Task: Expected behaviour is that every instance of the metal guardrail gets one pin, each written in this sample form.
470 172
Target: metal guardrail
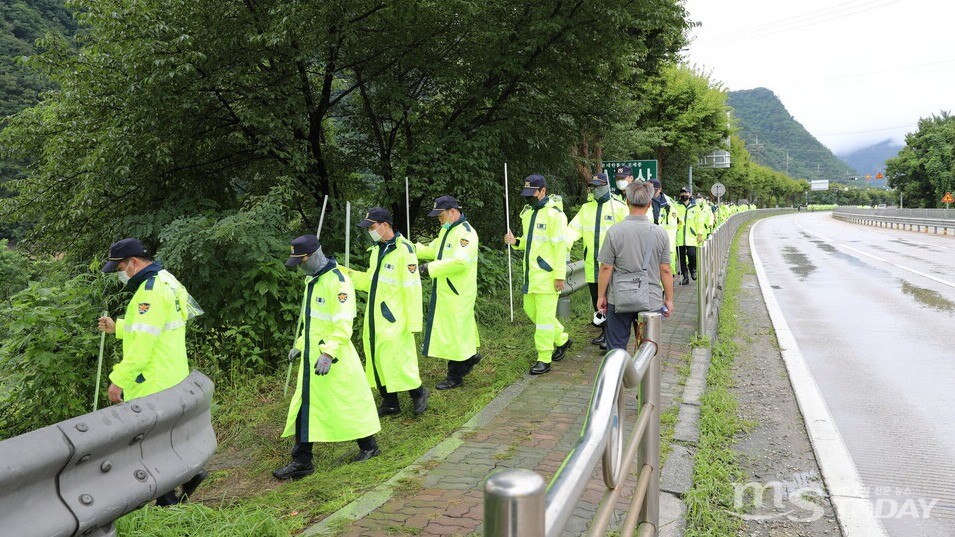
78 476
938 221
711 262
516 502
575 280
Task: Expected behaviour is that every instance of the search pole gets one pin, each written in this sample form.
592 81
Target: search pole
407 208
347 232
507 216
99 366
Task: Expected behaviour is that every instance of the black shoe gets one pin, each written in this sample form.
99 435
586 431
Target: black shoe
693 274
294 470
190 486
471 362
448 384
604 347
684 281
365 454
558 353
168 499
421 403
386 410
540 368
599 340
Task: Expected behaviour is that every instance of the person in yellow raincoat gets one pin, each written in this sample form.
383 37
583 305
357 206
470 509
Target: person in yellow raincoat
153 334
545 269
392 315
332 402
591 224
450 330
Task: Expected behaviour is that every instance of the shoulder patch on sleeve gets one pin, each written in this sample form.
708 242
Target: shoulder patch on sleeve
143 307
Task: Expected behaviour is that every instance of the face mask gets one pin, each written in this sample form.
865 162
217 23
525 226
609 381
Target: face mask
123 277
601 191
316 261
375 236
684 198
531 200
622 184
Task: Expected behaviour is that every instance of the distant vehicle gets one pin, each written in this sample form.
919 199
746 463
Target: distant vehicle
881 206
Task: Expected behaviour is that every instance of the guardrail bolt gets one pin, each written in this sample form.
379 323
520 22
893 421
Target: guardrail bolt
83 459
86 499
81 427
137 438
106 466
140 475
135 408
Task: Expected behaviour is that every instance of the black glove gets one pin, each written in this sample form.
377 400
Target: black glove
423 269
293 354
323 365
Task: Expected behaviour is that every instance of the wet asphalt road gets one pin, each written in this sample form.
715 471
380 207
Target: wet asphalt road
873 313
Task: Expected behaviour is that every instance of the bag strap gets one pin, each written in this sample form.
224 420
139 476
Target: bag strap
650 245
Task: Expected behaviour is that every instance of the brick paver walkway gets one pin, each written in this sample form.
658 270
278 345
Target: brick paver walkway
534 431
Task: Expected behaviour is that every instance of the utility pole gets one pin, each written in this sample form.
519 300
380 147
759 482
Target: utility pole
788 160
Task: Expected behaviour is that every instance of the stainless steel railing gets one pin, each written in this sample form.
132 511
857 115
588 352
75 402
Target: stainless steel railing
516 503
711 262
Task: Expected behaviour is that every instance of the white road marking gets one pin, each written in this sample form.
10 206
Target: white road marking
877 258
854 511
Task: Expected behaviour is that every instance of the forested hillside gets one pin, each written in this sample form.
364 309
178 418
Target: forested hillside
772 134
871 160
21 24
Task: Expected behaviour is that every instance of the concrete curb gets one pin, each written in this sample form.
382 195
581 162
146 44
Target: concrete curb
377 497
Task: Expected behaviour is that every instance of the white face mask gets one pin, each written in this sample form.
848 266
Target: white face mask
123 277
622 184
601 191
375 236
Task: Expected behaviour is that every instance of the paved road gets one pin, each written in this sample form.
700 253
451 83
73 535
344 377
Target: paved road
873 313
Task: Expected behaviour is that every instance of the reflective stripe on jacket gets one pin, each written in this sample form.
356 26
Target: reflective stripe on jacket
544 246
591 224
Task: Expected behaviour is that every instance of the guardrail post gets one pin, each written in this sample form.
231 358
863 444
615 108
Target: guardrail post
563 307
649 452
514 504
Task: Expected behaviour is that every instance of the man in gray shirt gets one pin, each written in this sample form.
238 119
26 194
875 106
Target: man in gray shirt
623 251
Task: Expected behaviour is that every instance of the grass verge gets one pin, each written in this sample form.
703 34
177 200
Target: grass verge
710 502
249 417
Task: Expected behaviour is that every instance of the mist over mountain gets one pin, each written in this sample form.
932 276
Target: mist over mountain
871 160
774 138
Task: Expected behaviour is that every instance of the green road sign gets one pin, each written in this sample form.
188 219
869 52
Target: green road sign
643 170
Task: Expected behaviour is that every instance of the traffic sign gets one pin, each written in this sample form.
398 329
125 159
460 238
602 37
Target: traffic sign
879 176
947 198
643 170
718 189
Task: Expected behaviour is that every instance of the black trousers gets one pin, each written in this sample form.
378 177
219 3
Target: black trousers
391 399
687 255
302 451
457 369
593 302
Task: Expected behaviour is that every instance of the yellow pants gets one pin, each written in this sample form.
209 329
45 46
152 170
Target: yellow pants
549 333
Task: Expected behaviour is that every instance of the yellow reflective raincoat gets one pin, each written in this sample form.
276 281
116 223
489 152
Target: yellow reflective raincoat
392 315
591 224
338 406
450 330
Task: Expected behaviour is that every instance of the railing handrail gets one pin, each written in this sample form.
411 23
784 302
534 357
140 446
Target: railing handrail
516 503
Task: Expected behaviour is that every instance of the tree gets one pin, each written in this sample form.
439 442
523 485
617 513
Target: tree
925 168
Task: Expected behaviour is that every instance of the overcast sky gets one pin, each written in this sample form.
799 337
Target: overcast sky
852 72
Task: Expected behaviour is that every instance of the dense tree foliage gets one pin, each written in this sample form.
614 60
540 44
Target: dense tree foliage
925 168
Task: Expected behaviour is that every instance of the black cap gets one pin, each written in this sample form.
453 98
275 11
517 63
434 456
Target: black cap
302 246
123 249
443 203
599 180
376 215
623 172
655 183
533 183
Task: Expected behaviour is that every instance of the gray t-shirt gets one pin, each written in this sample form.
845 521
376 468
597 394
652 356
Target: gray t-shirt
624 248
